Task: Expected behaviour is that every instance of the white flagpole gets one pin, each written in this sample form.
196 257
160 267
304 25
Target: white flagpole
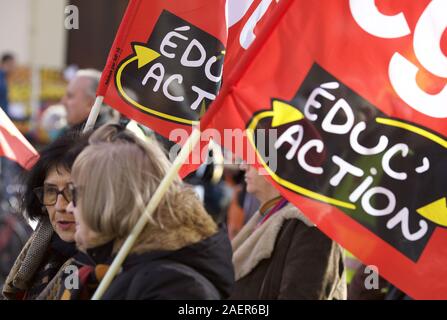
148 211
94 112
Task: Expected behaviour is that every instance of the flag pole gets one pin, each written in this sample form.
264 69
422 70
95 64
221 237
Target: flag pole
186 150
148 211
94 112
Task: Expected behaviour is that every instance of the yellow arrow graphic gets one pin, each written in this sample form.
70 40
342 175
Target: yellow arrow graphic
435 212
284 113
144 55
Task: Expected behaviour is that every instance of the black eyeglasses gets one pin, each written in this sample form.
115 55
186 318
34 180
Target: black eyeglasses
47 195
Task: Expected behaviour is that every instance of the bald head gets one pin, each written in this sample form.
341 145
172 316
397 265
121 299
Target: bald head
80 95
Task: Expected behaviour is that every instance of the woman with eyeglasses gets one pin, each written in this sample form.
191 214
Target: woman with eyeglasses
180 254
45 200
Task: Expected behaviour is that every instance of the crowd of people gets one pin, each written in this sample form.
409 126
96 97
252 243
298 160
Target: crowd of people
87 191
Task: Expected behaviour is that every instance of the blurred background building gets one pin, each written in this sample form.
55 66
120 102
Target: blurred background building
48 53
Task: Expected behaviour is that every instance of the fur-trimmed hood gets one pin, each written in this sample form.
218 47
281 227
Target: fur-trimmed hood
190 224
192 241
179 274
252 244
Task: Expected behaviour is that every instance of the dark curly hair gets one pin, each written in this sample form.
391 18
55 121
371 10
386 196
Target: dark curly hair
60 154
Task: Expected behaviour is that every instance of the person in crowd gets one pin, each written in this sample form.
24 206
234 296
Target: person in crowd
181 253
45 199
7 65
53 122
80 97
280 254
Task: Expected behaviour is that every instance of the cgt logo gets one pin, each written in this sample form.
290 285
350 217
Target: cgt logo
427 39
176 74
333 146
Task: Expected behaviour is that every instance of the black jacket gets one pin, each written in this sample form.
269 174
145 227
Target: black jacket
285 258
200 271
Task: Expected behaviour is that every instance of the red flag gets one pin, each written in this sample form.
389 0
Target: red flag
355 96
13 144
165 66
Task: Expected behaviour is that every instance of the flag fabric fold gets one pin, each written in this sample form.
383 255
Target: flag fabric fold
340 102
13 144
357 128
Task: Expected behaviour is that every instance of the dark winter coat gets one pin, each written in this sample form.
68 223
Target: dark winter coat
199 271
287 257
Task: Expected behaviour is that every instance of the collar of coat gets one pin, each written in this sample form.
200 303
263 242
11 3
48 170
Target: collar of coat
252 244
28 260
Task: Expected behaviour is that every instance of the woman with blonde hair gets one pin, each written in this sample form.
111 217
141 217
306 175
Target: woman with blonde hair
181 253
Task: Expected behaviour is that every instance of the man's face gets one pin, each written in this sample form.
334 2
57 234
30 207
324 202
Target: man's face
256 183
76 100
9 66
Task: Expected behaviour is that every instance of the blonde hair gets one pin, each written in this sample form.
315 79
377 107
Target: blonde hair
116 176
